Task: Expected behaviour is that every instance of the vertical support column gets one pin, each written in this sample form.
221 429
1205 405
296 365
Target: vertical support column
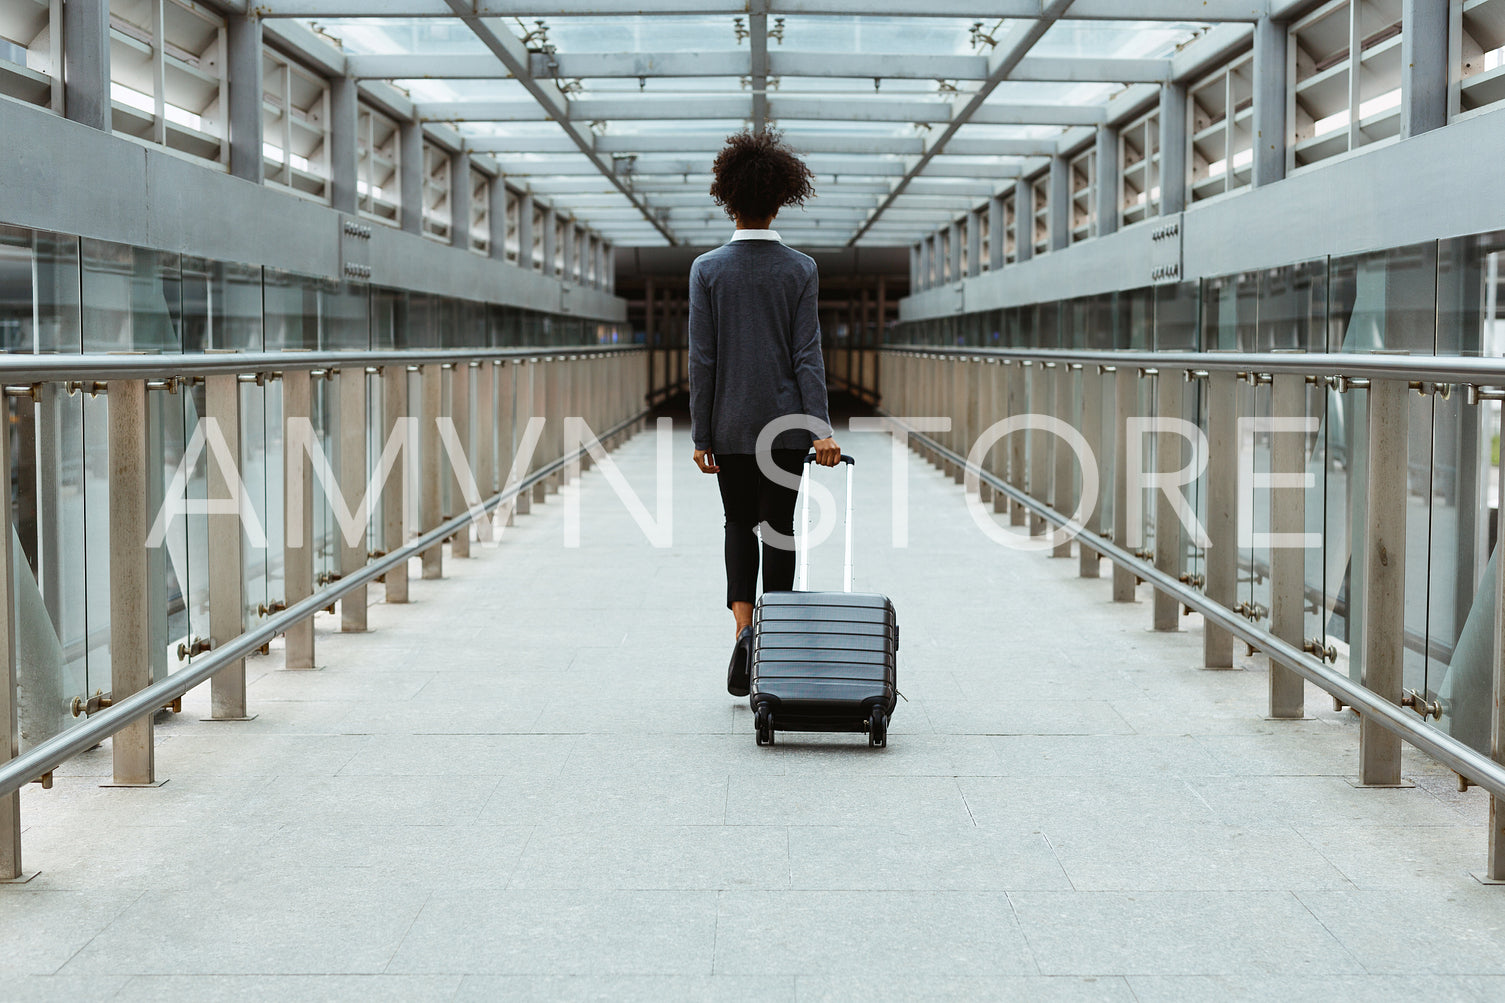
927 262
998 376
550 242
496 214
1384 637
10 725
954 252
998 237
1024 220
1089 562
567 250
1060 203
915 256
394 397
1221 562
1173 162
86 62
1064 497
350 384
956 439
526 370
1039 446
1495 866
542 368
410 175
1424 66
459 412
974 243
297 509
227 606
1018 442
1166 612
1126 386
525 232
344 111
608 252
1270 72
1106 184
1287 522
459 200
430 505
130 593
244 59
485 417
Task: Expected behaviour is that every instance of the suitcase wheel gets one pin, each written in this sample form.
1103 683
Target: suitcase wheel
763 721
877 729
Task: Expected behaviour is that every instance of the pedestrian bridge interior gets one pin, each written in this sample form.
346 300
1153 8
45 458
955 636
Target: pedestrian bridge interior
1167 338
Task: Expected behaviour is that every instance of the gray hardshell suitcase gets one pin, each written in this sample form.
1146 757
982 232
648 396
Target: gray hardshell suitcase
824 661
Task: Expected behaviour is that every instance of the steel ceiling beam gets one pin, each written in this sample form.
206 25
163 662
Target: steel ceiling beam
510 50
1015 47
757 39
1138 10
758 64
735 108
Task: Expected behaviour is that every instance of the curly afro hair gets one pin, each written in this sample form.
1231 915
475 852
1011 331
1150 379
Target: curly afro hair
756 175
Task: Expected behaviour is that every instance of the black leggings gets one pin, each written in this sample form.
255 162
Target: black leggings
749 498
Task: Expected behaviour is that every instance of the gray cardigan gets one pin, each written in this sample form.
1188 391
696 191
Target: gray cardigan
754 346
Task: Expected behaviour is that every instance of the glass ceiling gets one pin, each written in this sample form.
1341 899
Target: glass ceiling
864 98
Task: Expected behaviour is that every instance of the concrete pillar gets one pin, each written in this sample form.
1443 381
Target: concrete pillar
569 233
298 509
1270 73
998 238
1106 192
1287 508
459 414
608 254
1093 390
915 256
954 251
1060 203
1126 392
496 212
131 596
927 262
350 390
430 454
410 173
243 42
525 232
1024 220
974 243
1424 66
550 242
459 200
1169 551
1384 540
1173 164
86 62
394 395
1221 562
344 110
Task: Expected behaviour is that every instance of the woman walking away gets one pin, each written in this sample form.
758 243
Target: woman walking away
755 356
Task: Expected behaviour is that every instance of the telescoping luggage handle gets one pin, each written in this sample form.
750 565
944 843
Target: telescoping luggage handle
802 545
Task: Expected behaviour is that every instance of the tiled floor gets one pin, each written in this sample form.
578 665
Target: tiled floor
530 782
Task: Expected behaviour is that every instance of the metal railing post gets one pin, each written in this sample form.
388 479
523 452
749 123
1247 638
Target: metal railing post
983 392
485 417
431 497
1169 551
1019 441
1125 393
394 397
1040 446
1221 561
350 387
543 402
1495 865
459 413
1385 593
133 747
1089 562
526 371
298 509
1287 562
10 725
962 402
226 555
998 380
1063 497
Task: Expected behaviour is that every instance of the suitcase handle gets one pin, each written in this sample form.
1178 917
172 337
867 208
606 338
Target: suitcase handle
802 544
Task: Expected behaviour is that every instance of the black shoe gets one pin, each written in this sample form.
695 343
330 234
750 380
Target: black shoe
736 673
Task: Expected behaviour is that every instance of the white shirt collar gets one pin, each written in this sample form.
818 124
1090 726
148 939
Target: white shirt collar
757 235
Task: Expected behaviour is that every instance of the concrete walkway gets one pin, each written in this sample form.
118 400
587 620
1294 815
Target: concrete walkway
530 783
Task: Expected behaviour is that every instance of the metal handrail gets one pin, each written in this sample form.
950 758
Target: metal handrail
1434 368
1462 759
103 367
57 750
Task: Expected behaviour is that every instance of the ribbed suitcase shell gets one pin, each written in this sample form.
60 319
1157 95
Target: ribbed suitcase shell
822 660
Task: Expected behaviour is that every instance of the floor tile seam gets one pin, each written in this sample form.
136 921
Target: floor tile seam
1352 884
1349 952
95 936
1034 956
517 862
1056 856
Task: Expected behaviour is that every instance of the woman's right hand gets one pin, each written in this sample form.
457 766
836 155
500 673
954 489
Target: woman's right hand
706 461
827 452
